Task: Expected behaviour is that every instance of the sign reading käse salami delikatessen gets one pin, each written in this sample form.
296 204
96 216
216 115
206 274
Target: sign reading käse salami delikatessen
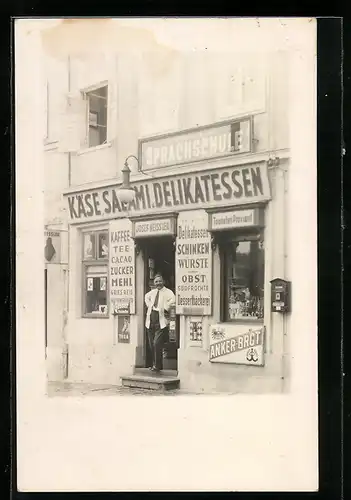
221 187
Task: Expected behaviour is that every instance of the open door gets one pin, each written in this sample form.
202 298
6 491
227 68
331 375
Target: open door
159 256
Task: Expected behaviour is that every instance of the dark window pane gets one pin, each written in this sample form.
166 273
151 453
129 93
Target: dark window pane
89 246
97 116
103 246
96 296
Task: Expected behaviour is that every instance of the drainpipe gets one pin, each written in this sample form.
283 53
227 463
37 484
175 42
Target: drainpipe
286 352
69 90
65 320
66 271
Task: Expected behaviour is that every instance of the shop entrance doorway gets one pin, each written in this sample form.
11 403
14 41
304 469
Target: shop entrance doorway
159 257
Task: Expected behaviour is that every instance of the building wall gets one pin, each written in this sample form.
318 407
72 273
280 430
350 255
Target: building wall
56 175
152 94
196 372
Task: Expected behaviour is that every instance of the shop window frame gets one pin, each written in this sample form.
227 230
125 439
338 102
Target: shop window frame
87 94
95 261
224 239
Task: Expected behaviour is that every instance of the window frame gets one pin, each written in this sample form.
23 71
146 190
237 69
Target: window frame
225 237
97 262
85 95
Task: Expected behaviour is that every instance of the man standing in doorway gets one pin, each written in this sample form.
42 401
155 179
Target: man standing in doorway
158 302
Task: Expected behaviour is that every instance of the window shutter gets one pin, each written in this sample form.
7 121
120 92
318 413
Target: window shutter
112 93
73 128
46 111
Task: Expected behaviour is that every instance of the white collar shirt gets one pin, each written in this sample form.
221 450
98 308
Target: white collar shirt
165 300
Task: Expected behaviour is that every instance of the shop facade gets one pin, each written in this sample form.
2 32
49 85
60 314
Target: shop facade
210 214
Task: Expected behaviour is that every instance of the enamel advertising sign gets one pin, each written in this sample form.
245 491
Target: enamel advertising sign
52 249
231 346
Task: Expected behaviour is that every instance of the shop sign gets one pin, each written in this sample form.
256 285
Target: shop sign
123 329
52 249
228 346
122 267
154 227
235 219
201 143
206 189
193 265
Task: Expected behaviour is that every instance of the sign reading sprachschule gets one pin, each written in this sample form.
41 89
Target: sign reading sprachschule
206 189
197 144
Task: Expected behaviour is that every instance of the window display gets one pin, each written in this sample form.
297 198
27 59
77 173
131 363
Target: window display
243 279
96 297
95 269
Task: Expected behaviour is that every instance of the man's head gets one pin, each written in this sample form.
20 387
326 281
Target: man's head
158 281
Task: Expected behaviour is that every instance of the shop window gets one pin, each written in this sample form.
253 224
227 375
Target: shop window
97 116
242 261
95 273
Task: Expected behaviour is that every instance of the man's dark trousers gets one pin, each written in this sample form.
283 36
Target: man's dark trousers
157 337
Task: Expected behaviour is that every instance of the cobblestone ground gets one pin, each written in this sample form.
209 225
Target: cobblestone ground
70 389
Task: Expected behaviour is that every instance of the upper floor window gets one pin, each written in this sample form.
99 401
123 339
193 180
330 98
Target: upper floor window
97 116
242 259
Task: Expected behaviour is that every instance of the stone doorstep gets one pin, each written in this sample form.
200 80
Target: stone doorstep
146 372
156 382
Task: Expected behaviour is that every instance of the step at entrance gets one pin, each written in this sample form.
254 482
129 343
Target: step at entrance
150 381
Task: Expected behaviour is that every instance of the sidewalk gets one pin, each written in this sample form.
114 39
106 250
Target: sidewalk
65 389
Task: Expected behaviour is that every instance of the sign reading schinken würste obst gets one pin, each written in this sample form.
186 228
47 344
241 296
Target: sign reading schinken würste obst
193 265
122 267
211 188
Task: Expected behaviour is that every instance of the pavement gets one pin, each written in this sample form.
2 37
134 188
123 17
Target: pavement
83 389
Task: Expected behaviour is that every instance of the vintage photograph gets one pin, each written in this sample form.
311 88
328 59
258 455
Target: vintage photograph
167 190
166 260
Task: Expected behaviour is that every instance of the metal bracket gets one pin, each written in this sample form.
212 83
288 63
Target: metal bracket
214 242
137 248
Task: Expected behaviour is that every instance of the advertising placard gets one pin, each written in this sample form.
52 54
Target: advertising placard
52 249
245 347
122 267
193 265
123 329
